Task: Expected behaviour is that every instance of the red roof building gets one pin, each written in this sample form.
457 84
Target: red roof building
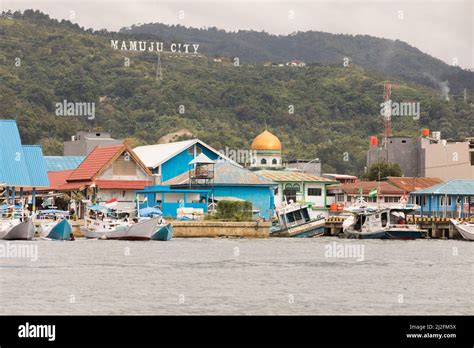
107 172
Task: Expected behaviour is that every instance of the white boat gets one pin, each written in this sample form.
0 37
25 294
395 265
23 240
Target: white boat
14 225
381 223
100 225
294 221
465 229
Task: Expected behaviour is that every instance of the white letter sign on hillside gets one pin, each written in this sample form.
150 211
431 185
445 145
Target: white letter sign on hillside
153 46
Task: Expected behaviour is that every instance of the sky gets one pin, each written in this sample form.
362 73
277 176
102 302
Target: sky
441 28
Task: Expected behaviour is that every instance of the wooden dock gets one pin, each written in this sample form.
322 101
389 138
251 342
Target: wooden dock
437 227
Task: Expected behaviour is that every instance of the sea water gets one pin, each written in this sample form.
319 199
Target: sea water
313 276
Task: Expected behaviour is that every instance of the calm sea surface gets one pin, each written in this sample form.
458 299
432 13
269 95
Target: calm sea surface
236 276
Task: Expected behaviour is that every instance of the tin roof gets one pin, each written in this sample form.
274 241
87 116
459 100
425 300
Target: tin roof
451 187
57 163
155 155
384 188
36 166
290 175
21 166
226 173
410 184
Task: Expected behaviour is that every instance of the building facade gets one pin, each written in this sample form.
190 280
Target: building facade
83 143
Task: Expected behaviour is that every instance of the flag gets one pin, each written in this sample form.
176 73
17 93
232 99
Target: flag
111 203
373 192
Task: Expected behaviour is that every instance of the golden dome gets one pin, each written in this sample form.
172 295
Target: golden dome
266 141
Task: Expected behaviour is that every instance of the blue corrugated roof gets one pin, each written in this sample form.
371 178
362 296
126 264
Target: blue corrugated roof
451 187
36 166
58 163
13 168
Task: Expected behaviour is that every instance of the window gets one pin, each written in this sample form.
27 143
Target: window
384 219
404 141
340 197
191 150
296 187
314 192
391 199
349 198
198 150
263 161
472 158
274 161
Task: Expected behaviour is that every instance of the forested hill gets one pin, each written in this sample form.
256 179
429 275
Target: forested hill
385 56
336 108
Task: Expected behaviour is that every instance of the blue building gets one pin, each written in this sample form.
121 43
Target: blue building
227 182
169 160
22 167
453 198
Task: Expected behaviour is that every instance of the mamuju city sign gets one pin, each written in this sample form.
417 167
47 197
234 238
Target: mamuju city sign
153 46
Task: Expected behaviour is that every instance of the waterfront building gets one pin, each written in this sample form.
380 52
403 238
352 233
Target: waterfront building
83 143
22 167
294 184
454 198
206 182
305 165
373 192
169 160
410 184
108 172
426 156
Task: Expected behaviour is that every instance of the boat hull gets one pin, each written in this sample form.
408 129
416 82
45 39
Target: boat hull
306 230
61 231
23 231
464 229
386 234
163 233
139 231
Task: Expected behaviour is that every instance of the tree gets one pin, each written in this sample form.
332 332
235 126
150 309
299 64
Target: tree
385 169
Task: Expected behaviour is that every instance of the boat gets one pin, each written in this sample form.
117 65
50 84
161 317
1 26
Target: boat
465 229
293 220
54 225
164 231
14 225
381 223
100 225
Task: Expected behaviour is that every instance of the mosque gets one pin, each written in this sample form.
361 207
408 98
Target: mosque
295 185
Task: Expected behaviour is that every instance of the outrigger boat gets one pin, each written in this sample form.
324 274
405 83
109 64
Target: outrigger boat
103 225
465 229
293 220
381 223
14 225
54 224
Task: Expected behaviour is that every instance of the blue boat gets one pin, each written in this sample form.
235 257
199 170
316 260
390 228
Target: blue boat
163 233
61 231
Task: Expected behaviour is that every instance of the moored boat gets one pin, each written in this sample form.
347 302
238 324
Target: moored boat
164 232
54 225
24 230
100 225
465 229
381 223
293 220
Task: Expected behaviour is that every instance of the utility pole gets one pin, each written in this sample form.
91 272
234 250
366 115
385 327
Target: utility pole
159 73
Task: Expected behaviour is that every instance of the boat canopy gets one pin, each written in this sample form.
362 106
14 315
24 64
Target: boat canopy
52 211
97 207
150 211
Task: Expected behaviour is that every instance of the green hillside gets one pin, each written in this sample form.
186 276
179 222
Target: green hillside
335 108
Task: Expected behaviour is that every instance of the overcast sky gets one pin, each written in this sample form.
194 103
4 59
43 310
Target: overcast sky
441 28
